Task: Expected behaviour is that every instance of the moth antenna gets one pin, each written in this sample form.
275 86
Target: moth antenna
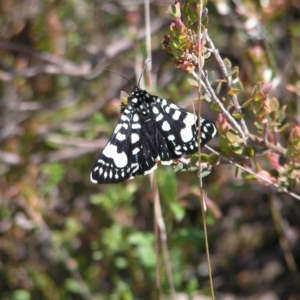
143 71
134 84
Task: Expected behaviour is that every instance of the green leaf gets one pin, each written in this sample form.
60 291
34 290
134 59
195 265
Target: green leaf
174 10
258 125
204 157
99 119
233 92
21 295
259 96
227 64
55 173
238 116
121 262
178 167
213 159
147 256
192 235
139 238
232 137
205 172
274 104
178 211
246 103
192 82
249 151
194 159
215 107
73 285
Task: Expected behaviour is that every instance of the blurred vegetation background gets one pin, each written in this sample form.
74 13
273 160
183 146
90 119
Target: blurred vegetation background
61 237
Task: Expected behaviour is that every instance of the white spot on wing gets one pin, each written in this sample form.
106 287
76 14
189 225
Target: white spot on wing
134 168
163 102
120 137
166 126
159 117
173 106
92 179
136 117
166 162
151 170
124 118
120 159
134 138
171 137
136 126
155 110
118 127
187 133
176 115
135 151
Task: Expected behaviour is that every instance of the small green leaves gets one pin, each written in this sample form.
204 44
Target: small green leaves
174 10
233 137
293 150
249 151
178 167
182 41
274 104
238 116
213 159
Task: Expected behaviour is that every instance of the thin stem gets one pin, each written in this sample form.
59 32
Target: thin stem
163 237
211 93
227 77
202 198
148 34
159 227
155 197
254 174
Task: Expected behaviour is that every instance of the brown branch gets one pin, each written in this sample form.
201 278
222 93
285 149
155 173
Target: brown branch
275 148
227 77
60 66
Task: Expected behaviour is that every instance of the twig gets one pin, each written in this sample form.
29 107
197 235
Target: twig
58 65
254 174
202 196
157 206
211 93
275 148
227 77
163 234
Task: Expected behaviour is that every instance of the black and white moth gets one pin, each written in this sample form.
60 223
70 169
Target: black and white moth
150 130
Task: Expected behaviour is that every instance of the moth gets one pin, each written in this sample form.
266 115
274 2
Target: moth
150 130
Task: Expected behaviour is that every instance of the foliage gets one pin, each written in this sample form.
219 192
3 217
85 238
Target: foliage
64 238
